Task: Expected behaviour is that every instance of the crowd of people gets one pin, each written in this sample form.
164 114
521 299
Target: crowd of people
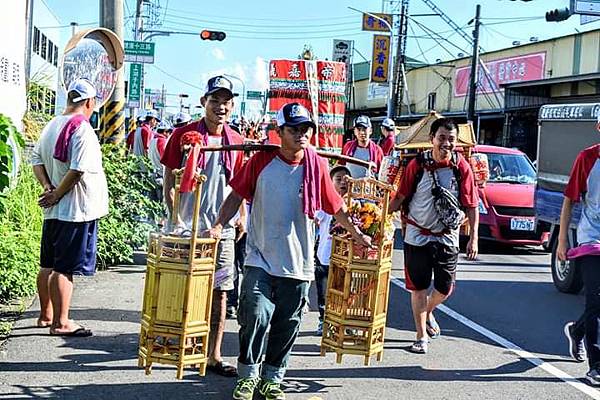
269 249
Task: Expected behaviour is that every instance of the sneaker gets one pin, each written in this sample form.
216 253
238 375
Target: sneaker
576 345
244 388
593 377
231 312
419 346
320 329
271 390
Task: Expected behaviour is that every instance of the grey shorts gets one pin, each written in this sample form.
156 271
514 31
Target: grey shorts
224 265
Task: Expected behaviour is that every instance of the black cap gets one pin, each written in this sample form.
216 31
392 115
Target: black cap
294 114
217 83
337 168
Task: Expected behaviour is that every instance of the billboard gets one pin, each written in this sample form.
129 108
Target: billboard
380 58
528 67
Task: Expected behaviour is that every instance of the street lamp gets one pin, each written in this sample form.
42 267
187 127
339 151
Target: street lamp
243 105
390 105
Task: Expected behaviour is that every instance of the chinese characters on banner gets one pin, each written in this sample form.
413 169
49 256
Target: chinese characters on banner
528 67
317 85
370 23
380 59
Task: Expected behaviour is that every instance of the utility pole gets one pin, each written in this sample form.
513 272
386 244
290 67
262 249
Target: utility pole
474 67
399 75
111 17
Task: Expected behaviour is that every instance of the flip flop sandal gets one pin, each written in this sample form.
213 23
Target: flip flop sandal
79 332
224 369
433 329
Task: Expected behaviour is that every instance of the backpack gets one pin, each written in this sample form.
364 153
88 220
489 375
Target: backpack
447 206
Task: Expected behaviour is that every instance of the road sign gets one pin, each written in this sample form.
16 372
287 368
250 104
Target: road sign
139 52
586 19
243 108
254 95
342 51
370 23
380 59
589 7
135 84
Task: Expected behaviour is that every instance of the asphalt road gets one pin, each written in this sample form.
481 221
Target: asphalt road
502 339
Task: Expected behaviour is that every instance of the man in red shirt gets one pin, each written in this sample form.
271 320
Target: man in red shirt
430 248
362 147
219 168
388 134
144 134
287 187
584 187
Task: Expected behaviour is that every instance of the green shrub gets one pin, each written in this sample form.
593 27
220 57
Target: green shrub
132 214
20 230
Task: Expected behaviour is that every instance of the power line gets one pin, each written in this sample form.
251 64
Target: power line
263 26
270 19
176 78
297 33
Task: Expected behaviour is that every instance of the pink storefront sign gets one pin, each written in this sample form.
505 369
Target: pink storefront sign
528 67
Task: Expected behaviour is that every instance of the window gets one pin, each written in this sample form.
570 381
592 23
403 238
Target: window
55 56
50 51
36 40
431 101
44 44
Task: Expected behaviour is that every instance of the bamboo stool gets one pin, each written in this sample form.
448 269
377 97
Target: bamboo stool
358 284
177 298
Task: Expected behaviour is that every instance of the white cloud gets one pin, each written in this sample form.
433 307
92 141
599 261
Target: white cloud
218 53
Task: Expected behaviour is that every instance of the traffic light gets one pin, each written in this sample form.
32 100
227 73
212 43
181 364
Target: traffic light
558 15
212 35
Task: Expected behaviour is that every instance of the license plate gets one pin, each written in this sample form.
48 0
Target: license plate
522 224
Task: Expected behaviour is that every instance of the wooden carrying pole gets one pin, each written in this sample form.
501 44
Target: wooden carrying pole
271 147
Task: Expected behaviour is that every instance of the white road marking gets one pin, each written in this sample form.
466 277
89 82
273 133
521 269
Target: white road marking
507 344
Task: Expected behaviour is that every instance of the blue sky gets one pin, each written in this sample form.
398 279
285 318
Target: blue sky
259 31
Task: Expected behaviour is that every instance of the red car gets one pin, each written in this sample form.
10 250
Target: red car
506 206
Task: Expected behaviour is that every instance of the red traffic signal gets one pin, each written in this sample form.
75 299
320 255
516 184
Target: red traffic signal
212 35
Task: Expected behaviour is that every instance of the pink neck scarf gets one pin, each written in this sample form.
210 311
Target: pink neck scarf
61 148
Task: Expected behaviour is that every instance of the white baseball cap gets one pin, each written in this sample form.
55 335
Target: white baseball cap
181 118
164 125
153 114
388 123
84 88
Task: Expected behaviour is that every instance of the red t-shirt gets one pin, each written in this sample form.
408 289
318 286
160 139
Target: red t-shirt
468 191
244 182
147 135
173 156
580 172
387 145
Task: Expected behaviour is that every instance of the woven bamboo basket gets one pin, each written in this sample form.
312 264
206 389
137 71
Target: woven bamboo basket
358 284
177 297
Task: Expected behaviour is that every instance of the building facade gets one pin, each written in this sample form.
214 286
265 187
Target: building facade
44 58
512 85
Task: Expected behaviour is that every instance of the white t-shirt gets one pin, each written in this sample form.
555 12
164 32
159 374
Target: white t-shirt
324 248
88 200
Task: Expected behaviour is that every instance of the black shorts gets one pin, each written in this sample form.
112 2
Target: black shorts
420 262
69 247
